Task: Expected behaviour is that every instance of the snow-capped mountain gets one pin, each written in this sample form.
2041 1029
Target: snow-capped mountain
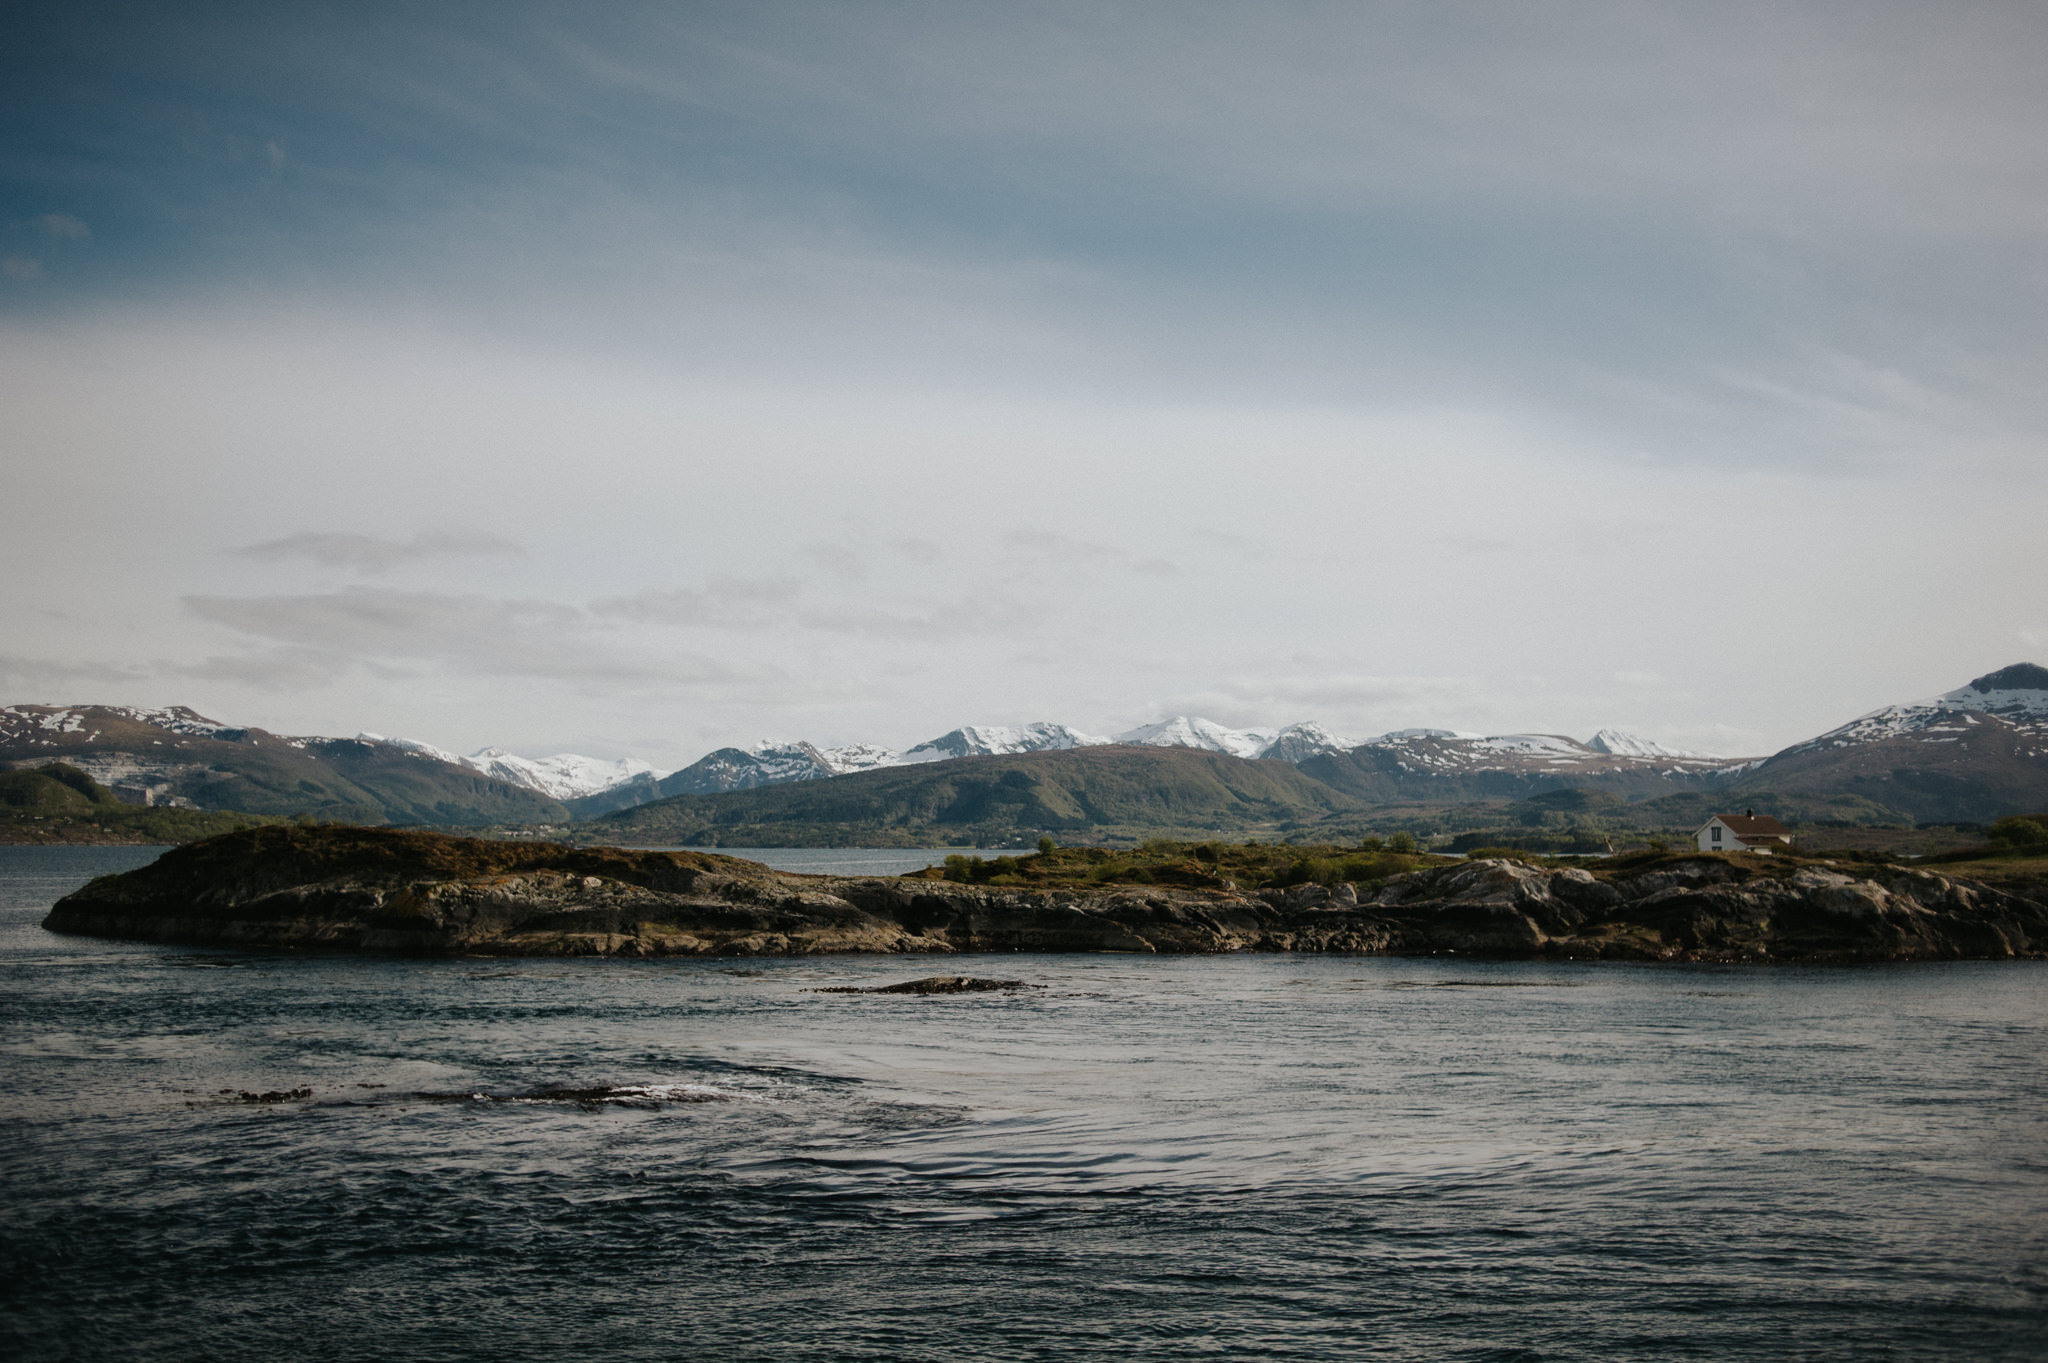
177 718
1299 742
1444 766
1187 731
1620 743
1976 753
173 755
2017 695
1448 750
569 776
411 745
856 757
988 740
765 764
565 776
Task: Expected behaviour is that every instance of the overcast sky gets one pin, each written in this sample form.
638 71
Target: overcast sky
637 380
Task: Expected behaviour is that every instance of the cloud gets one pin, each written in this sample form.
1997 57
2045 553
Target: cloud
1350 691
281 670
475 635
731 280
782 603
47 675
21 267
1048 547
368 554
973 613
63 227
838 559
1359 704
727 602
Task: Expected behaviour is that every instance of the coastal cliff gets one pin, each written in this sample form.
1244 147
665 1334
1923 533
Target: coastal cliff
377 890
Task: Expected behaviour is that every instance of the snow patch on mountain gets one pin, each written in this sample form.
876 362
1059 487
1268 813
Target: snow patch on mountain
176 718
1621 743
564 776
793 760
857 757
1553 747
411 745
991 740
1187 731
1299 742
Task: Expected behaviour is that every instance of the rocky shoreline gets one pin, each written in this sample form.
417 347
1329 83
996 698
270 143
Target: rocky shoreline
385 891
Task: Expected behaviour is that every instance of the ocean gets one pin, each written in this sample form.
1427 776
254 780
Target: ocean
214 1154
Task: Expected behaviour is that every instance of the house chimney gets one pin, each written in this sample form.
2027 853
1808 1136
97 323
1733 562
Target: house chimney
1749 814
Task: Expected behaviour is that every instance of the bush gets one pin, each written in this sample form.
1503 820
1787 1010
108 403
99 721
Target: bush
1520 854
1403 841
2020 830
959 869
1304 870
1374 868
1046 846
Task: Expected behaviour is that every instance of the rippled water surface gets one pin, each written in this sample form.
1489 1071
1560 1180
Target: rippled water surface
1250 1157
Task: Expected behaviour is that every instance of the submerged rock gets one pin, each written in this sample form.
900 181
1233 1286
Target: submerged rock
383 890
934 984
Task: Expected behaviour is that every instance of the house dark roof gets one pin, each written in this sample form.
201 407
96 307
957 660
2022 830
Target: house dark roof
1754 826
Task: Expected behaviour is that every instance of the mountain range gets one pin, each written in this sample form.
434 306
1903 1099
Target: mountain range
178 757
1975 753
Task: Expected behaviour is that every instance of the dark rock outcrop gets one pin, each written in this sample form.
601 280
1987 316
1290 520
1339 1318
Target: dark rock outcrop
936 984
387 891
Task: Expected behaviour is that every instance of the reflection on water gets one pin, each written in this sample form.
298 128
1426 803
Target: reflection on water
219 1155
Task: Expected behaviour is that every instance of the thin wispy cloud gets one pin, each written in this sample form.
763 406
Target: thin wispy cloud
63 227
371 554
726 602
1046 546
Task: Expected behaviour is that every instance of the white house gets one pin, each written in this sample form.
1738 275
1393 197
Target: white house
1745 832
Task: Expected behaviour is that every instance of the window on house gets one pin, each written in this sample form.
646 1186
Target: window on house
1717 832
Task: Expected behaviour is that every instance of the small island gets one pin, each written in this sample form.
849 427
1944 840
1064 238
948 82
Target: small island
394 891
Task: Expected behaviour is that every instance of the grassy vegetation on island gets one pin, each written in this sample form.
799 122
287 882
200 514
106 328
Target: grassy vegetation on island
1197 866
2015 857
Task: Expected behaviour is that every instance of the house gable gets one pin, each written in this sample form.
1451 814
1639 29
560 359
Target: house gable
1749 832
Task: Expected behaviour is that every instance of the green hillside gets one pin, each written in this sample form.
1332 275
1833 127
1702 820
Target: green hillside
55 788
57 803
1111 792
1980 771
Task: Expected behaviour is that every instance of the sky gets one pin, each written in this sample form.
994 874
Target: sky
636 380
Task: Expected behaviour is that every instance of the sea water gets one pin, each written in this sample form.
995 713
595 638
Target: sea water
213 1154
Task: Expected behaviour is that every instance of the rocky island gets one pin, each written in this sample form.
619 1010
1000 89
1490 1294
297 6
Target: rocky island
382 890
